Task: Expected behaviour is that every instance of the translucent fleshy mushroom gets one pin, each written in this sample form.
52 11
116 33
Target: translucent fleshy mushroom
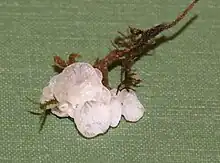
82 96
132 109
92 119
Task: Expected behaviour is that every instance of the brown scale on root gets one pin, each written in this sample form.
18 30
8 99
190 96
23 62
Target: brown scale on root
128 48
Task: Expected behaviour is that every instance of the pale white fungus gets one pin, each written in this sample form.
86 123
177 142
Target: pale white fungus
82 96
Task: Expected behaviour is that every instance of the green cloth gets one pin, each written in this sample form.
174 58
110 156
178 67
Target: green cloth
181 90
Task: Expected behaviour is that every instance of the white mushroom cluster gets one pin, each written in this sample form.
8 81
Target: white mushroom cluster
82 96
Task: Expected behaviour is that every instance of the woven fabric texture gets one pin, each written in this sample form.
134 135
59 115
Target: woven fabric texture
180 91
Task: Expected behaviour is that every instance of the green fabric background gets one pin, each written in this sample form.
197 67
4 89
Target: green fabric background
181 91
